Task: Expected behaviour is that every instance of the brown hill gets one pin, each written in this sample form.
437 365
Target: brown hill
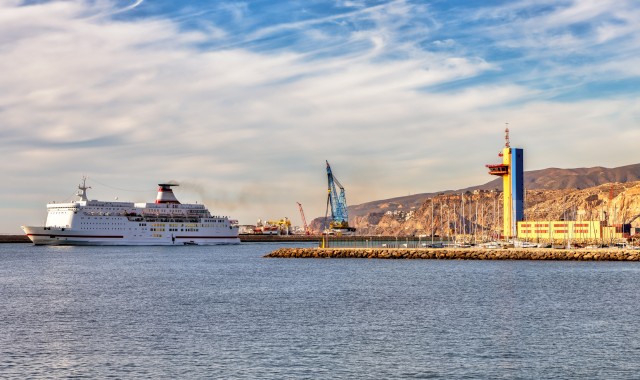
545 179
580 178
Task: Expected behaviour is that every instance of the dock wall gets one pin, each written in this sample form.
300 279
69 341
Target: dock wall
14 239
460 254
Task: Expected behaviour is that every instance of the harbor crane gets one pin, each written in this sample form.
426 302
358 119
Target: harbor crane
339 222
304 220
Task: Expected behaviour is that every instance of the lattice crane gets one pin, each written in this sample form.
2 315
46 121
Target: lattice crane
304 220
339 221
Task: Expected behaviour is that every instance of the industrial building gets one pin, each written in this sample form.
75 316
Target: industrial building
587 231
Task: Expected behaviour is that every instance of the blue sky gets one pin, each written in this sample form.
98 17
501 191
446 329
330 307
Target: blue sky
242 101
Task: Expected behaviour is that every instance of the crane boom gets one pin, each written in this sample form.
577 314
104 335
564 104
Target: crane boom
304 220
338 203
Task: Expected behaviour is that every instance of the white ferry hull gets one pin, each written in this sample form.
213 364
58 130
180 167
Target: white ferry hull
67 236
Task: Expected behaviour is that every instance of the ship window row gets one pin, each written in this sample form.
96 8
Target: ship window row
173 225
145 224
104 223
102 228
100 215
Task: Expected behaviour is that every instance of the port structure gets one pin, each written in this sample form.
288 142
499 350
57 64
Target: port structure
512 173
304 220
337 202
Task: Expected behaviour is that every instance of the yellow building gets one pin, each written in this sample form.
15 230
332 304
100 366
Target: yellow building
563 230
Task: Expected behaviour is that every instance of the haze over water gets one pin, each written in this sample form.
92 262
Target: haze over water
226 312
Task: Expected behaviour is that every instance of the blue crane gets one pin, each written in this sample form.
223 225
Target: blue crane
338 203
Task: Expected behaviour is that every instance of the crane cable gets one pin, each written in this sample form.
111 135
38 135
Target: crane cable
116 188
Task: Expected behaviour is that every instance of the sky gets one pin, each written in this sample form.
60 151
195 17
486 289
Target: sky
241 102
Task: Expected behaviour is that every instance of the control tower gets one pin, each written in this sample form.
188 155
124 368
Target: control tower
512 175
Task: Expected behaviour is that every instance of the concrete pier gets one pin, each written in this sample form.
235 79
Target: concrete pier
461 254
14 239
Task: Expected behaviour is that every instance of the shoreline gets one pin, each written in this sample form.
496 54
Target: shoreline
460 254
243 239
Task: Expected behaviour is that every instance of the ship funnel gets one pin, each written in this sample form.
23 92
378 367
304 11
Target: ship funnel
165 194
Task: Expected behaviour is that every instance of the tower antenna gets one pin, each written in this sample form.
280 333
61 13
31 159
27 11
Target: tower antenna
506 136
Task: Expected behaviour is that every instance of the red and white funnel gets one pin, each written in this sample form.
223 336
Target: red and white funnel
165 194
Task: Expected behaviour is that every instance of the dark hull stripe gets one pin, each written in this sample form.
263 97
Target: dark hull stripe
122 237
80 236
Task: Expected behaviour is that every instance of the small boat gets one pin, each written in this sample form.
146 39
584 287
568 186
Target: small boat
490 245
524 244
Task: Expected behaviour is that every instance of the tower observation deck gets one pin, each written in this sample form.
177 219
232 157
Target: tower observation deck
512 173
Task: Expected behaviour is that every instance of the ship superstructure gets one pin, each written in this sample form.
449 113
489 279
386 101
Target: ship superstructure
164 222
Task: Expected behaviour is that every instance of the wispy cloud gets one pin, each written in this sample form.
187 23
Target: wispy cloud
582 34
301 25
128 8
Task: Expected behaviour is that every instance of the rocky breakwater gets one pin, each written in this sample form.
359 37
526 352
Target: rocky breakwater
460 254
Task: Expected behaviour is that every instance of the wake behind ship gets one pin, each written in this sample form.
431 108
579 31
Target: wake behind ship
165 222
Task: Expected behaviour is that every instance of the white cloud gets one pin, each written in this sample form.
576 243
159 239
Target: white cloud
351 3
132 103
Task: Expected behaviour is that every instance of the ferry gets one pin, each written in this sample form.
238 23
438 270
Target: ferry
165 222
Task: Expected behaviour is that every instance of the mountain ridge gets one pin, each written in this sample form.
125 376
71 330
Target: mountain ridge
541 179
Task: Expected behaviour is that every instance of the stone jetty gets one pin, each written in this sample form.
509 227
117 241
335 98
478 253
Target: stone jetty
461 254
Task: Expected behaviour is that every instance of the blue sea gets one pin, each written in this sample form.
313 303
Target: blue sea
196 312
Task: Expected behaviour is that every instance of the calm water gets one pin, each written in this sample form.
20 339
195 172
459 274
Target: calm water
226 312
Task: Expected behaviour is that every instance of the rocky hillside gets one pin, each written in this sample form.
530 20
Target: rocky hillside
586 193
480 212
545 179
